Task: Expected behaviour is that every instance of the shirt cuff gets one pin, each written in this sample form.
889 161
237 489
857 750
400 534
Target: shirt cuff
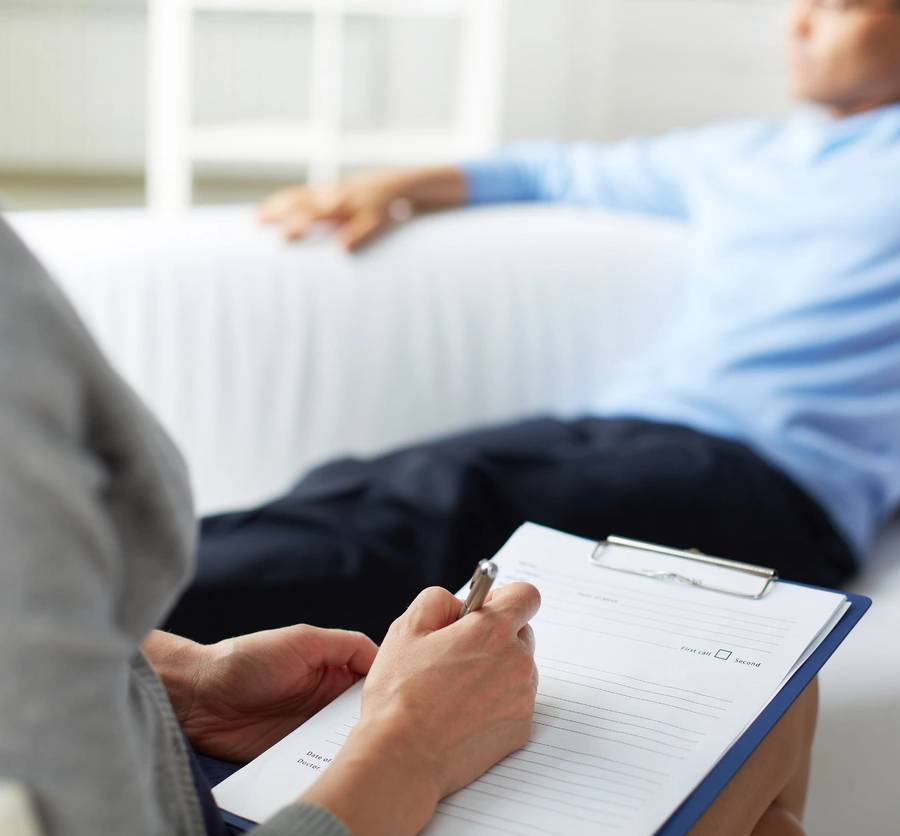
302 820
493 180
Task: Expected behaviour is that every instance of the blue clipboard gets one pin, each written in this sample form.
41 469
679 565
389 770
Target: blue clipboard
699 801
236 822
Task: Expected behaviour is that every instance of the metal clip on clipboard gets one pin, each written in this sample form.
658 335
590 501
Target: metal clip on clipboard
715 574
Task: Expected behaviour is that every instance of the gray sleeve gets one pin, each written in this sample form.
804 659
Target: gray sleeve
66 732
302 820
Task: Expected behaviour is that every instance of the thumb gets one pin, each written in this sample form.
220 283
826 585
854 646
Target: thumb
321 648
433 609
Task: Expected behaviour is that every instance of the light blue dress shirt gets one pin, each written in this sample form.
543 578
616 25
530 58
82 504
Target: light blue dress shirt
788 336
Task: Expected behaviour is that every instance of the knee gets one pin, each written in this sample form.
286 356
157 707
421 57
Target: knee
777 821
793 737
807 707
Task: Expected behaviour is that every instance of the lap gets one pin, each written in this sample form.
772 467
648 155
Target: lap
385 527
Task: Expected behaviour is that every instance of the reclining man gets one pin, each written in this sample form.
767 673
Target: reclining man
763 426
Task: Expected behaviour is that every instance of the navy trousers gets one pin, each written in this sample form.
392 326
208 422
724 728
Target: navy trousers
354 541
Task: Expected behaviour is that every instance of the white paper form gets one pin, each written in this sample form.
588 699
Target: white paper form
644 685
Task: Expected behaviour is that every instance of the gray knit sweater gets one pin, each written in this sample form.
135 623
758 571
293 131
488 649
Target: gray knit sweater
96 538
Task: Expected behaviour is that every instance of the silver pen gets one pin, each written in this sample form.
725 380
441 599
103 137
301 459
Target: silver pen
479 586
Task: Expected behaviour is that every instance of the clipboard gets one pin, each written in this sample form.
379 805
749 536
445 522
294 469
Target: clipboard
709 789
722 576
728 577
748 581
715 574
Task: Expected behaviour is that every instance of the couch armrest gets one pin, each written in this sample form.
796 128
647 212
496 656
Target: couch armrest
263 359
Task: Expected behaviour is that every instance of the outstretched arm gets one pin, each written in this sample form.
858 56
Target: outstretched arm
637 175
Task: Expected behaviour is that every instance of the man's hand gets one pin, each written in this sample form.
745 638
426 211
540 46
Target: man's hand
362 207
237 698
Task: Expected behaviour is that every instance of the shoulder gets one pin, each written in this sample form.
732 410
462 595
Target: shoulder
44 356
724 139
82 455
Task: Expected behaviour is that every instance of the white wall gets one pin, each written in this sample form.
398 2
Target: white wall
72 72
685 62
71 90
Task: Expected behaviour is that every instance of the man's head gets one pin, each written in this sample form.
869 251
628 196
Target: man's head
845 54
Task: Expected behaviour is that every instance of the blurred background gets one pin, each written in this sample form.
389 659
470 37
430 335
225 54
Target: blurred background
121 102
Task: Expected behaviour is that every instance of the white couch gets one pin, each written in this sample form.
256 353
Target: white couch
263 359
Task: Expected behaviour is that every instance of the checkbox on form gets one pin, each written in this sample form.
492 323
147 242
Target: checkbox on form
723 654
